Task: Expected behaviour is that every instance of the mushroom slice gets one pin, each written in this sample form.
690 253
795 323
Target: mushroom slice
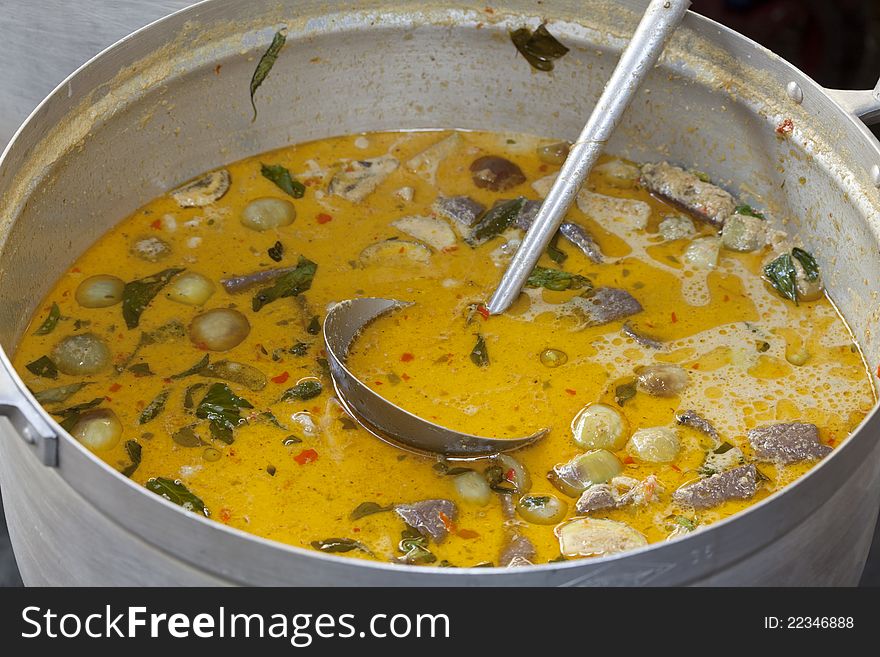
202 191
597 537
433 232
426 163
360 178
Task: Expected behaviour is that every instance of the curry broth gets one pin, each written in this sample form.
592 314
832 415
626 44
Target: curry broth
300 483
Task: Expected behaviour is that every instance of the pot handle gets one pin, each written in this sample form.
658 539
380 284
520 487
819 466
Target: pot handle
26 415
863 104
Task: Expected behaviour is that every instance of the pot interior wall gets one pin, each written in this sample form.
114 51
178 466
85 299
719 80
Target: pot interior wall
128 133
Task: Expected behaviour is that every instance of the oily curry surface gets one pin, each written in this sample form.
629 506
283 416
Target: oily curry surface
194 363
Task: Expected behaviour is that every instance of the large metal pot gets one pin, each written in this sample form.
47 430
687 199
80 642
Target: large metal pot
171 100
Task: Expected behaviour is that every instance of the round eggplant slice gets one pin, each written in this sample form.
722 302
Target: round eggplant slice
202 191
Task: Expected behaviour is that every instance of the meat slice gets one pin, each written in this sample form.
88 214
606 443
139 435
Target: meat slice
605 305
580 238
596 498
429 517
703 199
517 551
788 442
696 421
737 484
462 209
619 492
641 338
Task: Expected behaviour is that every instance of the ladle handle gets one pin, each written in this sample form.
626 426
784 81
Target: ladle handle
657 25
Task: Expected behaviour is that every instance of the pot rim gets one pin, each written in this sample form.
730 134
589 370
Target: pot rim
855 443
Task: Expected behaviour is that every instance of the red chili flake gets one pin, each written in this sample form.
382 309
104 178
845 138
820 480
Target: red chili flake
316 409
225 514
726 298
281 378
878 371
76 270
467 533
355 529
306 456
378 383
324 218
406 357
571 392
785 128
674 317
405 376
108 399
450 249
675 467
628 459
447 522
166 381
484 312
156 224
115 387
543 167
510 475
695 366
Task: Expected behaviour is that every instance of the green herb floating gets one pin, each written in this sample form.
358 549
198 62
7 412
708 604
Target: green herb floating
540 48
267 61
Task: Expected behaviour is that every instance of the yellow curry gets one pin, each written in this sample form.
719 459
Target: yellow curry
680 350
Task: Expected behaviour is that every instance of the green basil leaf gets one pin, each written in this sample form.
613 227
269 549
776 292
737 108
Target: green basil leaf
154 408
782 275
189 396
748 210
137 295
556 254
299 349
50 322
267 61
289 284
134 450
314 326
174 491
624 392
308 389
276 252
540 48
141 369
496 220
340 545
283 180
808 262
556 279
43 367
365 509
60 394
222 408
186 437
195 369
79 408
480 354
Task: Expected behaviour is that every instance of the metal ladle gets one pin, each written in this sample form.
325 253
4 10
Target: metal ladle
346 320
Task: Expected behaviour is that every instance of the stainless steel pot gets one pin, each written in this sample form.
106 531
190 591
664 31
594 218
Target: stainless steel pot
171 100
